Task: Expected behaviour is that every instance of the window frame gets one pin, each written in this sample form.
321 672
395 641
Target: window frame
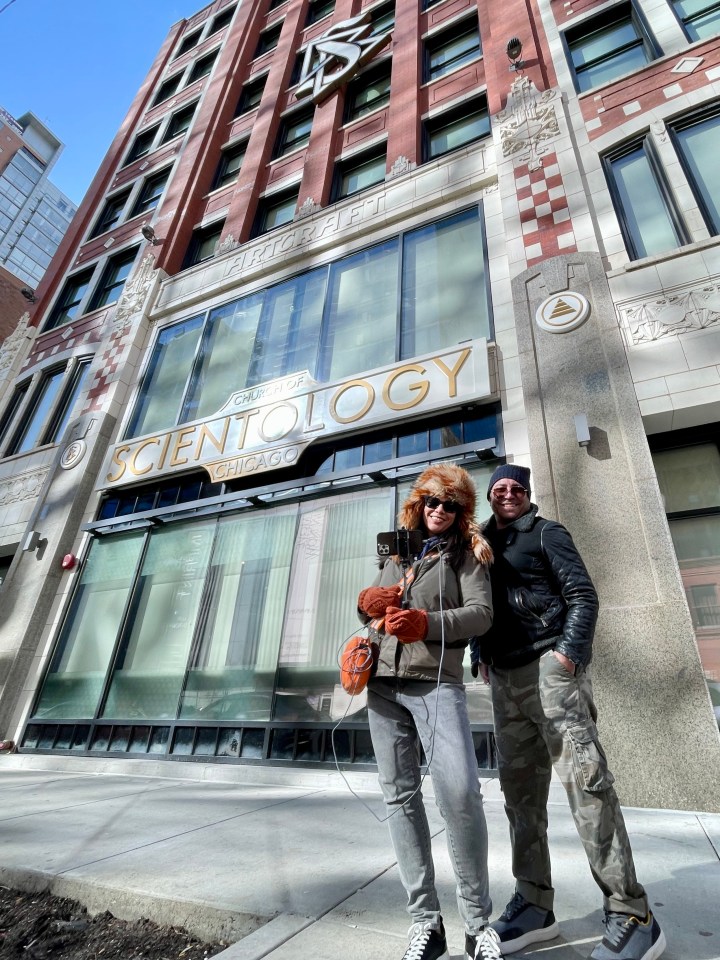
602 21
353 163
707 112
712 6
112 213
246 94
359 85
199 237
167 89
225 16
285 146
313 16
148 191
150 134
272 202
107 284
446 118
188 108
378 13
223 177
202 67
268 39
645 144
79 282
186 46
436 41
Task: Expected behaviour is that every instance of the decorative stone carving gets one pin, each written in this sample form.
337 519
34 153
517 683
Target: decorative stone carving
12 344
228 244
659 131
337 55
24 487
135 292
308 207
684 309
401 165
529 123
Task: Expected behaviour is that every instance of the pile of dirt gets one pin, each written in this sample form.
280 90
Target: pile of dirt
38 926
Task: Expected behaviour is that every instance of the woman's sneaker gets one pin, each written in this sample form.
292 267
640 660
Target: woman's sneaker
630 938
484 945
427 943
522 924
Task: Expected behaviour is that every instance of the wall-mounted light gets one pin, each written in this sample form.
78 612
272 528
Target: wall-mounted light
31 541
147 231
582 431
29 294
514 51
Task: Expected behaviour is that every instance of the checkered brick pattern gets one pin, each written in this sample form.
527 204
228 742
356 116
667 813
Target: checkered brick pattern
104 374
544 212
62 340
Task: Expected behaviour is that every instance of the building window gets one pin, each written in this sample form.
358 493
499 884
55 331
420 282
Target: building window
696 138
188 42
451 49
609 45
700 18
67 306
294 131
402 298
231 160
455 128
688 472
251 95
268 39
152 190
202 67
359 173
319 9
179 123
46 415
111 213
430 3
167 88
370 91
648 216
113 279
221 20
141 144
203 242
275 211
382 18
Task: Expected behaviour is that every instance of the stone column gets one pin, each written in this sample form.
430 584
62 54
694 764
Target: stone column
655 721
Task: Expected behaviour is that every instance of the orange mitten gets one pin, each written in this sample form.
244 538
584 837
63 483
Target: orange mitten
407 625
357 664
374 600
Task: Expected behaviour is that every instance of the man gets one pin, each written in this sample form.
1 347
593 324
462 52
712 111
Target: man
536 657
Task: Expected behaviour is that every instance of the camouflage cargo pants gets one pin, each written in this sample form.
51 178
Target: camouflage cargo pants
545 717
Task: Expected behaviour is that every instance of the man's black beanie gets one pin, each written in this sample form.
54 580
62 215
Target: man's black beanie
510 471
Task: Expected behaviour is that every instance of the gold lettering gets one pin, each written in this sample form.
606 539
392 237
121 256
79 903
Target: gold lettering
207 434
125 448
163 452
280 424
420 387
452 374
134 469
363 384
180 443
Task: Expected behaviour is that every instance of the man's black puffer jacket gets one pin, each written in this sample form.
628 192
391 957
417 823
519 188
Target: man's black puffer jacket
543 596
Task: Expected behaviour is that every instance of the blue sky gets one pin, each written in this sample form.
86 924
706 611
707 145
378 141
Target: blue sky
77 64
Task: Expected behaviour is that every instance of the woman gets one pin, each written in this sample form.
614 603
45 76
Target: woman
417 697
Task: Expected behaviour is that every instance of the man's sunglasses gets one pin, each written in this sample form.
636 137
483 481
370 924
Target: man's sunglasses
500 492
449 506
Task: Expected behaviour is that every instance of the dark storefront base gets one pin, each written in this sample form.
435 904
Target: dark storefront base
260 743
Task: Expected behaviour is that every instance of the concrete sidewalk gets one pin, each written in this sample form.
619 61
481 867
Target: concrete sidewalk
294 865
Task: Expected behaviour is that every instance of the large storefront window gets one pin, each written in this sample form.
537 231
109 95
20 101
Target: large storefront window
422 291
689 479
74 683
231 619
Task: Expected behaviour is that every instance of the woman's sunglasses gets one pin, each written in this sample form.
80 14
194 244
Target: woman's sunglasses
449 506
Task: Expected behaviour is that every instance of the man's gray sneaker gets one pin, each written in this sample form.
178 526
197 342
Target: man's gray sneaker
484 945
630 938
522 924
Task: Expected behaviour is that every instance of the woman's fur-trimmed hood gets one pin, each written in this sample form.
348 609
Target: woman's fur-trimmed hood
447 481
